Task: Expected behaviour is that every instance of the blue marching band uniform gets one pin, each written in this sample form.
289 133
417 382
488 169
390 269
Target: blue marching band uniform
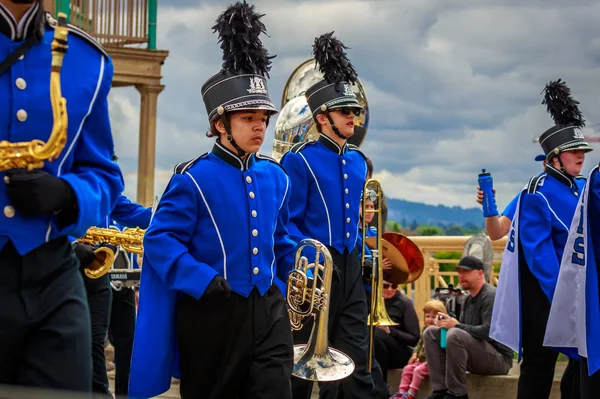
328 176
531 263
45 334
217 252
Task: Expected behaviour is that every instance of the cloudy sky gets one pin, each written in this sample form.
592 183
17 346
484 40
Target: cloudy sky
453 86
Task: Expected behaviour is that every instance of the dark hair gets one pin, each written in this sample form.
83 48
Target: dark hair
369 167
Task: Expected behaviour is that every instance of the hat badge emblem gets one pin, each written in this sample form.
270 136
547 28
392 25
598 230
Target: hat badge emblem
577 134
348 90
257 86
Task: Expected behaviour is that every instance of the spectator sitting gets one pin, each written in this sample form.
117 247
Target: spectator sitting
416 370
468 345
393 345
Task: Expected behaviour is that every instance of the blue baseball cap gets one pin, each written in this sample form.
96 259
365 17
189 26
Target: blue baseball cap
540 158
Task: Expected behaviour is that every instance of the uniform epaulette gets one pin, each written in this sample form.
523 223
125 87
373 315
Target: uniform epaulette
270 159
183 167
296 148
355 148
52 22
535 182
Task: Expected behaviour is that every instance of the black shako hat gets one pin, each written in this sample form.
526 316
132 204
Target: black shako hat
241 83
335 90
566 134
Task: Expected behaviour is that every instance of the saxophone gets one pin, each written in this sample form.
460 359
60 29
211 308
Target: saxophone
32 154
131 240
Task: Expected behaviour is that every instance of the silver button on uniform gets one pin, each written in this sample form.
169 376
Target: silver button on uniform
251 194
254 214
348 220
346 191
255 270
248 179
344 161
347 235
254 232
21 84
9 211
22 115
347 206
255 251
345 176
6 179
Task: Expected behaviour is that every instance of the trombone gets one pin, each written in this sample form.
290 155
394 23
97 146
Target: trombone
378 315
309 297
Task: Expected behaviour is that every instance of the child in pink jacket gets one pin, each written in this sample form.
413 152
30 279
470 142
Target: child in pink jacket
416 369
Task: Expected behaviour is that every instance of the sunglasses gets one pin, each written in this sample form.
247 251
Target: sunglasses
386 286
347 110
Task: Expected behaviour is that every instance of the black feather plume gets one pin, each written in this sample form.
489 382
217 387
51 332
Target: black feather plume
561 106
239 28
331 57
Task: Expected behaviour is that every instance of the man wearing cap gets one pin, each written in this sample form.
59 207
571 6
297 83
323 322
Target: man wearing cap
534 249
498 226
328 176
468 344
217 250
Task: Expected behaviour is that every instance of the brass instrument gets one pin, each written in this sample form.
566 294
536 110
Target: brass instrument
131 240
32 154
309 297
295 123
406 258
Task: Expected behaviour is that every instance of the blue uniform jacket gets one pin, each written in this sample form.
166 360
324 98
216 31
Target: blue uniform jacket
544 219
25 114
327 185
218 215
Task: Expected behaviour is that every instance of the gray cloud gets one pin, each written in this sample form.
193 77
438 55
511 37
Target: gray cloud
453 86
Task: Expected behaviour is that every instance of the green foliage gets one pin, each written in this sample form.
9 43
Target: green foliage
446 267
454 230
427 230
393 226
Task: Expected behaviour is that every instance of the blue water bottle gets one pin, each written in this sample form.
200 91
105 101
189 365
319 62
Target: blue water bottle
443 332
486 184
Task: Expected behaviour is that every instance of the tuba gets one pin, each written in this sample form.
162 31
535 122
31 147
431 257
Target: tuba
308 297
131 240
406 258
295 123
32 154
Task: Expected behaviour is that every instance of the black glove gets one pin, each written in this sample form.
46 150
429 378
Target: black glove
218 286
84 253
37 193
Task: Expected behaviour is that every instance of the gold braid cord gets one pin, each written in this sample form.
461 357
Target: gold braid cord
32 154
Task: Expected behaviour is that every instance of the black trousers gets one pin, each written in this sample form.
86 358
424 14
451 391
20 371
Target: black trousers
539 362
99 296
235 347
347 332
389 352
44 319
590 384
121 331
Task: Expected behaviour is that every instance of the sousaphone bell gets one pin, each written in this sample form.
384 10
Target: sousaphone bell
295 123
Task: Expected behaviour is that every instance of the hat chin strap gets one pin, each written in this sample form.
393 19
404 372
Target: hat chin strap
241 153
334 127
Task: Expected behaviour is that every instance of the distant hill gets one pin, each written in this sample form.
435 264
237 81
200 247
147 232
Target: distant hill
405 212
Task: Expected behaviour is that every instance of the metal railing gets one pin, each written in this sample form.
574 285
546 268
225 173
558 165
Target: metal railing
116 23
422 290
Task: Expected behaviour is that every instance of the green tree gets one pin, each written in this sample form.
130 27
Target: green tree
454 230
393 226
427 230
